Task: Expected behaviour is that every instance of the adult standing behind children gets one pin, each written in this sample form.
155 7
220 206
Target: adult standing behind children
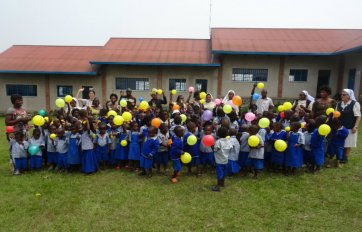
131 100
156 103
324 102
350 110
264 103
86 102
16 115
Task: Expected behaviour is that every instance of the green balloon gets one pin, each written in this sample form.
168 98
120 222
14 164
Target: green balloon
33 149
42 112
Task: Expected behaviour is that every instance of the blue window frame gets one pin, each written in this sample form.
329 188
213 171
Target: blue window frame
178 84
24 90
132 83
249 75
63 90
297 75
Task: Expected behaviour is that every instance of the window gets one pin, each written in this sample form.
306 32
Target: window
249 75
298 75
63 90
24 90
201 85
178 84
132 83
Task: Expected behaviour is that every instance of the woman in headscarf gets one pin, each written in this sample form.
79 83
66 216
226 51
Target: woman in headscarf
305 102
228 100
324 102
209 104
350 110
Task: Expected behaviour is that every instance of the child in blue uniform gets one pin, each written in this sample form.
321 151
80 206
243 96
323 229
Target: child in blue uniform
121 155
113 132
176 152
207 153
51 151
102 143
307 150
162 153
37 140
221 150
336 147
134 147
61 145
243 160
233 166
89 162
256 154
277 157
317 146
18 150
73 156
293 155
192 149
149 150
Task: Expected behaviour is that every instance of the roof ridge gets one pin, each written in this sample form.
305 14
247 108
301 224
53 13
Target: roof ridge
287 28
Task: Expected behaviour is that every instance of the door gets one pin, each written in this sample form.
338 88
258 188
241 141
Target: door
201 85
351 78
323 79
86 91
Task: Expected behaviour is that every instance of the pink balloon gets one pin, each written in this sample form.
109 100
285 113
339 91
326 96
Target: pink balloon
208 140
217 101
249 116
191 89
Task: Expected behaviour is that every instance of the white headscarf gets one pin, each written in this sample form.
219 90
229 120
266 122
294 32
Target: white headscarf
309 97
350 94
226 98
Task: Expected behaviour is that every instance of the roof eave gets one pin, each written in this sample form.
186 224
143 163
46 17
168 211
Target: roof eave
271 53
48 72
155 64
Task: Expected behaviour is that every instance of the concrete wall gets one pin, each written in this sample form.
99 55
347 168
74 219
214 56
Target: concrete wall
354 61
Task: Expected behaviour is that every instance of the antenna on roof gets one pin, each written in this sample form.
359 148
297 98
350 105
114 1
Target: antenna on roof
210 20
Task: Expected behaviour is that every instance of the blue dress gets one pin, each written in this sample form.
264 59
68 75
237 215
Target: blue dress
73 156
277 157
134 147
317 147
121 152
194 150
293 156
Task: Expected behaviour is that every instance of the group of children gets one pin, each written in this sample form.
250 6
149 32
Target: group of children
80 139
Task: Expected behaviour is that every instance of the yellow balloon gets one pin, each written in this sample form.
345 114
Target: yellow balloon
46 119
264 122
52 136
202 101
287 128
253 141
118 120
324 129
183 118
159 92
127 116
173 92
186 158
191 140
202 95
144 105
280 108
280 145
227 137
123 103
59 103
38 120
227 109
287 105
124 143
154 91
329 111
260 85
68 99
111 113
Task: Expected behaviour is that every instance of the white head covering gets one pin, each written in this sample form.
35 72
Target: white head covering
226 98
350 94
309 97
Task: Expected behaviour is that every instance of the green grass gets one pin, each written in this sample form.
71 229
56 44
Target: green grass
120 201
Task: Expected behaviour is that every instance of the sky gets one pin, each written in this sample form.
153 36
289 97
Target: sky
93 22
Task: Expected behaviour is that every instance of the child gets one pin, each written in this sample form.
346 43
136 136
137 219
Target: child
256 154
176 152
36 159
233 166
102 144
293 155
113 134
277 160
336 147
222 150
207 153
243 160
18 149
73 156
61 146
89 162
121 155
192 149
134 147
162 153
307 151
52 154
317 145
149 150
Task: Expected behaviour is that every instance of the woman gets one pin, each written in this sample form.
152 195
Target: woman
86 102
112 103
324 102
228 100
350 110
179 101
209 104
304 103
16 115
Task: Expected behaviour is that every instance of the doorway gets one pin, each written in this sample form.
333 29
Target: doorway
323 79
351 78
201 85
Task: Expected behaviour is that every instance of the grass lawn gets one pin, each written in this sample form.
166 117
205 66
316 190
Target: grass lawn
120 201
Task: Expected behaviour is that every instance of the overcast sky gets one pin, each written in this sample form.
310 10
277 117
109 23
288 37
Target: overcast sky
92 22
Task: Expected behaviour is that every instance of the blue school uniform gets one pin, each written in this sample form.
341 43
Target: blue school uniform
19 154
113 133
36 160
134 146
193 150
317 146
277 157
61 145
337 143
293 155
233 166
162 153
149 151
88 160
307 151
52 154
121 152
176 152
102 143
207 156
74 151
244 160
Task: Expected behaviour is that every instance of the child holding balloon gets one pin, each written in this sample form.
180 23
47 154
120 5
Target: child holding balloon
18 150
256 154
61 146
50 148
233 166
149 151
102 143
162 153
277 159
36 144
293 155
191 146
134 147
89 162
206 148
73 155
176 151
243 160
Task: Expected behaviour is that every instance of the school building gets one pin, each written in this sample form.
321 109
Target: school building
286 60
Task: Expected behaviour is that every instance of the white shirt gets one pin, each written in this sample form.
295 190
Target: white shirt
263 104
222 150
234 152
356 107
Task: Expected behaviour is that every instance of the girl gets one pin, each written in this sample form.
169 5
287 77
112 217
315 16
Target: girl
192 149
73 156
336 148
307 154
102 144
256 154
222 150
89 162
149 150
18 150
113 135
176 152
162 153
61 146
277 160
293 155
51 150
243 160
134 147
121 155
233 166
36 159
207 153
317 145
